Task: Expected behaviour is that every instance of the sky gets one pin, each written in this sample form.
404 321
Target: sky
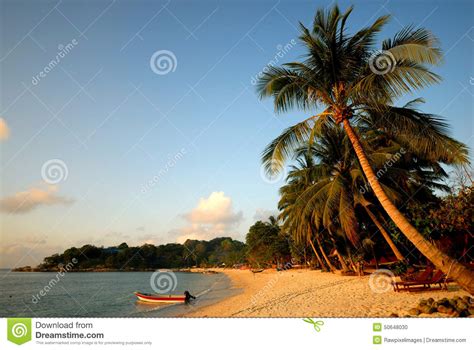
139 121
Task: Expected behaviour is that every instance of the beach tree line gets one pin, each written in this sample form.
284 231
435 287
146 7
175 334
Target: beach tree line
265 246
222 251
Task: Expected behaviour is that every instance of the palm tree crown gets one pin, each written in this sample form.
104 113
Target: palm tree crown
342 76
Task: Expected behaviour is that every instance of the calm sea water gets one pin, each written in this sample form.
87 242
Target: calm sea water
101 294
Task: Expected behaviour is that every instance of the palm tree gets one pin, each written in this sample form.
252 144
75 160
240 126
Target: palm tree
344 78
334 191
328 177
273 222
384 233
293 216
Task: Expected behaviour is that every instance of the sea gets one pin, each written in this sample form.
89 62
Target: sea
105 294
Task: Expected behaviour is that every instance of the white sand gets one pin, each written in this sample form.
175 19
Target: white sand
305 293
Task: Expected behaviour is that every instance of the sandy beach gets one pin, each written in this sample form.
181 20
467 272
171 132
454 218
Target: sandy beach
303 293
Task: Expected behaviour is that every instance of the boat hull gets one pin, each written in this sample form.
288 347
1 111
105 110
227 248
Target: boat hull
160 298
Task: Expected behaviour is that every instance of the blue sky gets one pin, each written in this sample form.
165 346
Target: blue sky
196 132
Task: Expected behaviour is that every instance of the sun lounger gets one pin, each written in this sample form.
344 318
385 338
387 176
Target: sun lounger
438 279
421 276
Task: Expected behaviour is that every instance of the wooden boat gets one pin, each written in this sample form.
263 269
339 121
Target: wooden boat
160 298
257 270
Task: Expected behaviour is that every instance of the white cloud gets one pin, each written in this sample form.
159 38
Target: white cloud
216 209
213 216
4 130
26 201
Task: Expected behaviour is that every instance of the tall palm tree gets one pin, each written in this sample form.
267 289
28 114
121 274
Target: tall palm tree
343 77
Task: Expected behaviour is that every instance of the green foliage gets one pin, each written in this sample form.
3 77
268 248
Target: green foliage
266 245
300 252
449 220
215 252
399 268
455 213
123 246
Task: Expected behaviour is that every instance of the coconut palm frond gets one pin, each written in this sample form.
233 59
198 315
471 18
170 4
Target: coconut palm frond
281 148
416 45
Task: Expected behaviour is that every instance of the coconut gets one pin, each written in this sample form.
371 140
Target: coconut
444 302
444 309
425 309
461 305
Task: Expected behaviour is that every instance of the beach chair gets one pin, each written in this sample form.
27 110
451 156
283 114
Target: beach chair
422 283
418 276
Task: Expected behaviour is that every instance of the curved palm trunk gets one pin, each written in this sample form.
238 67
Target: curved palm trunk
341 260
461 274
355 266
310 240
331 266
384 234
375 258
339 256
320 261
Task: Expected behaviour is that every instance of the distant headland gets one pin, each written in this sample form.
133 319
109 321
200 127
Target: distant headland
222 251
